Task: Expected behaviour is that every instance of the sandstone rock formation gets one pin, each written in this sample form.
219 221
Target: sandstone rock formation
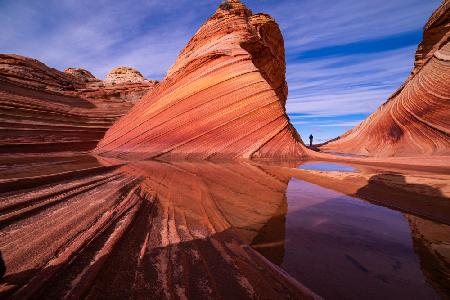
416 119
81 74
122 92
138 238
124 74
33 74
43 109
121 84
223 98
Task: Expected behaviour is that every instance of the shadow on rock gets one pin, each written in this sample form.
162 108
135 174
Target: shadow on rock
2 266
394 180
392 190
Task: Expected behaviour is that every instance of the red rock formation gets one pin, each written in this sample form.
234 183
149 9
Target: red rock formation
121 84
128 92
416 119
124 74
43 109
223 98
122 231
81 74
33 74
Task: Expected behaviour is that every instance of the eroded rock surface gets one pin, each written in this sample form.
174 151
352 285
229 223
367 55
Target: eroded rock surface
153 230
121 84
46 110
416 119
223 98
82 74
124 74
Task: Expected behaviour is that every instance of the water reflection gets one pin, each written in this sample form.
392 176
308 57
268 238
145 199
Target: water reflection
341 247
214 197
326 166
183 228
344 248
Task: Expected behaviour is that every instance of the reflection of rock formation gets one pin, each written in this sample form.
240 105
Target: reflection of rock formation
223 98
415 120
141 230
43 109
270 240
432 245
241 196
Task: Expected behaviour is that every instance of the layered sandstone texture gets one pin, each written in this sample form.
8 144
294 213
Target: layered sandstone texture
81 74
121 84
416 119
223 98
117 230
45 110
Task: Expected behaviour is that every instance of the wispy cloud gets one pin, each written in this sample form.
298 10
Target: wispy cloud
347 84
100 35
313 24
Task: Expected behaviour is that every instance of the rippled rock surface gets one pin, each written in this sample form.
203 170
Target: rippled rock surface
416 119
223 98
86 227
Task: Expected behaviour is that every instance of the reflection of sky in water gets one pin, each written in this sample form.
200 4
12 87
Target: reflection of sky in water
321 166
343 247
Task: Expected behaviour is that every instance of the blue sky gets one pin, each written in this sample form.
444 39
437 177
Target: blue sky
344 57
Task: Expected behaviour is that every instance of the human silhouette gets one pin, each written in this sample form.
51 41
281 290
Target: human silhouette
2 266
310 140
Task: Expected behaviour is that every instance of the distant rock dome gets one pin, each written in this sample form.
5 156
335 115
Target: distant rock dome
123 75
81 74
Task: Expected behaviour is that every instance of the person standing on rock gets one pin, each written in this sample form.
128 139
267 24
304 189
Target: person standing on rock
310 140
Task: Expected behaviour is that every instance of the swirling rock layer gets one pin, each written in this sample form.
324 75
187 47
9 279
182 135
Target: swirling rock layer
416 119
45 110
223 98
80 229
